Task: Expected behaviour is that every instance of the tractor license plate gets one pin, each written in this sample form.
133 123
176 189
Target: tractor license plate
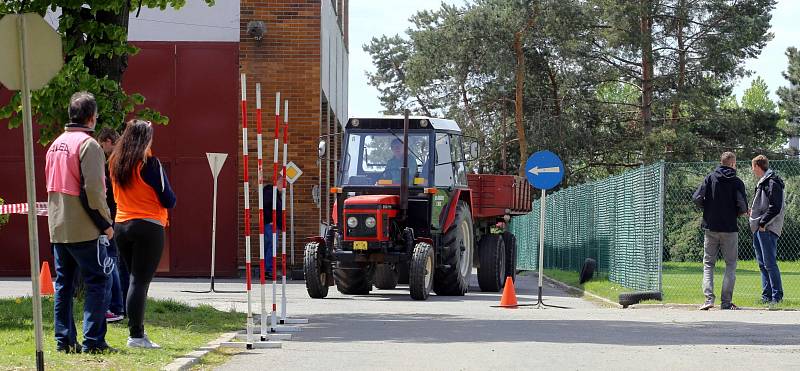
359 245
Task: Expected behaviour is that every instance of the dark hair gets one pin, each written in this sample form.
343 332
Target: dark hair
396 142
130 151
107 133
82 107
762 162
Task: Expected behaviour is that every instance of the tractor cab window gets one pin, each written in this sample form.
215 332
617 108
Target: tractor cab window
444 161
459 159
376 159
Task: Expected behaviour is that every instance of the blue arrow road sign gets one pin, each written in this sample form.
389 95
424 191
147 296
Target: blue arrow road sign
544 170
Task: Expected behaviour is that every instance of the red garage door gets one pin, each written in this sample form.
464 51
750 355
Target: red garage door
195 84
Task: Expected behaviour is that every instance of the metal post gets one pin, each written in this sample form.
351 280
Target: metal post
291 214
30 181
213 232
542 206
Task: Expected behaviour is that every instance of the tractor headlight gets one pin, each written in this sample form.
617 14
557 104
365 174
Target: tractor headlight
352 222
370 222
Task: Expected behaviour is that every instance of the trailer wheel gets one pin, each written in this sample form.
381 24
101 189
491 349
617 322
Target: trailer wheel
459 245
420 277
385 277
353 279
510 242
315 271
491 272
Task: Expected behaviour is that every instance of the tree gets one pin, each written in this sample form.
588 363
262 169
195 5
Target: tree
790 96
607 83
96 50
756 97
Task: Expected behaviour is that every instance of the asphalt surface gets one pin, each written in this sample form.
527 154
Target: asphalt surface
387 330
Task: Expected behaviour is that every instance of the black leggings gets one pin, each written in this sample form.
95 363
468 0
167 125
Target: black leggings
140 244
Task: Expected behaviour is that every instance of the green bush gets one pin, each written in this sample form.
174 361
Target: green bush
4 217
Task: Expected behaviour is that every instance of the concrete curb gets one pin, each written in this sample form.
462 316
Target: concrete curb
189 360
578 291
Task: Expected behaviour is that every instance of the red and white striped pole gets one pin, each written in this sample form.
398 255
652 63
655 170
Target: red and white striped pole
261 264
246 185
283 209
275 211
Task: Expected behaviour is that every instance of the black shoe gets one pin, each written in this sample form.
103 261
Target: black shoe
730 306
100 350
69 349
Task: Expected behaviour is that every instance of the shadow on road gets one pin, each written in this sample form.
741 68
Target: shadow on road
416 328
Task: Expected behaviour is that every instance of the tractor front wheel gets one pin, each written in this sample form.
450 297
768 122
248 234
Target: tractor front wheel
315 271
420 276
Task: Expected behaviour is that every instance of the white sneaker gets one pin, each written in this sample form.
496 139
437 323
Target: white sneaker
143 342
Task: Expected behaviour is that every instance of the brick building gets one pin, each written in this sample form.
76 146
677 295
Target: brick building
188 69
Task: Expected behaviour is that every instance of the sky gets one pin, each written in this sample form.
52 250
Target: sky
370 18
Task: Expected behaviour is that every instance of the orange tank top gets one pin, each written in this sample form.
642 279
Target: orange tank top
138 200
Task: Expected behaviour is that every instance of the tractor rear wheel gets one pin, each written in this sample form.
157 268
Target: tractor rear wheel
459 244
491 272
420 276
353 279
402 272
315 271
385 277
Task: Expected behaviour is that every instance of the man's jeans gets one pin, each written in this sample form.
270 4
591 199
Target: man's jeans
268 247
765 245
86 256
727 243
114 297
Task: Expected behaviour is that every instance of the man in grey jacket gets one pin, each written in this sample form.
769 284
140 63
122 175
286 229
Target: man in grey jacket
766 223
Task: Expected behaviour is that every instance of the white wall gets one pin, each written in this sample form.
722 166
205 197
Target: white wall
335 60
195 21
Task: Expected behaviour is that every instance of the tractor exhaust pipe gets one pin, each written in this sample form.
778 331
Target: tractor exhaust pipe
404 172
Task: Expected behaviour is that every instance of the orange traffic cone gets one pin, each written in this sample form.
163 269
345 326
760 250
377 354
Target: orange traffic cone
509 298
45 282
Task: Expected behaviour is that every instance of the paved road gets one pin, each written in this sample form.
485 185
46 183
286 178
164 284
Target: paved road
388 331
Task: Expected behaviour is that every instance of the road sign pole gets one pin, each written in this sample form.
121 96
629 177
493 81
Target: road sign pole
30 181
542 207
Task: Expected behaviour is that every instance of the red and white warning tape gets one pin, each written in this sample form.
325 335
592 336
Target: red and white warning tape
41 209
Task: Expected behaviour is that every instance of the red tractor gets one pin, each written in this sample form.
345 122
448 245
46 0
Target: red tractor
407 211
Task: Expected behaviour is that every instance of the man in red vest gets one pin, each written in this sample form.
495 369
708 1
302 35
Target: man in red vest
80 226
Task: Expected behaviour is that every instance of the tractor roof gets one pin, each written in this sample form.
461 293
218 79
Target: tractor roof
396 122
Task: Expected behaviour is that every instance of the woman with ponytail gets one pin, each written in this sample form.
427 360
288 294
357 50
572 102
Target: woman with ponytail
143 195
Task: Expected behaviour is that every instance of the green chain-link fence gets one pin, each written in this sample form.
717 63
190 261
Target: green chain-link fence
644 232
616 221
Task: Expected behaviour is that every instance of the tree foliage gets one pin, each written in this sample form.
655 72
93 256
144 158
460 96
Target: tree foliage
609 84
790 96
96 50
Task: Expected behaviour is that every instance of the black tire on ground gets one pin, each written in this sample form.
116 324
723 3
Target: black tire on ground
491 272
459 247
314 271
352 279
630 298
385 277
420 276
587 271
402 273
510 242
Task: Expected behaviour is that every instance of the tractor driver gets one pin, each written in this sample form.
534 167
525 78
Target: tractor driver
392 170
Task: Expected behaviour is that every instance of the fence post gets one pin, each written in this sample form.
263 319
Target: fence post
662 204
